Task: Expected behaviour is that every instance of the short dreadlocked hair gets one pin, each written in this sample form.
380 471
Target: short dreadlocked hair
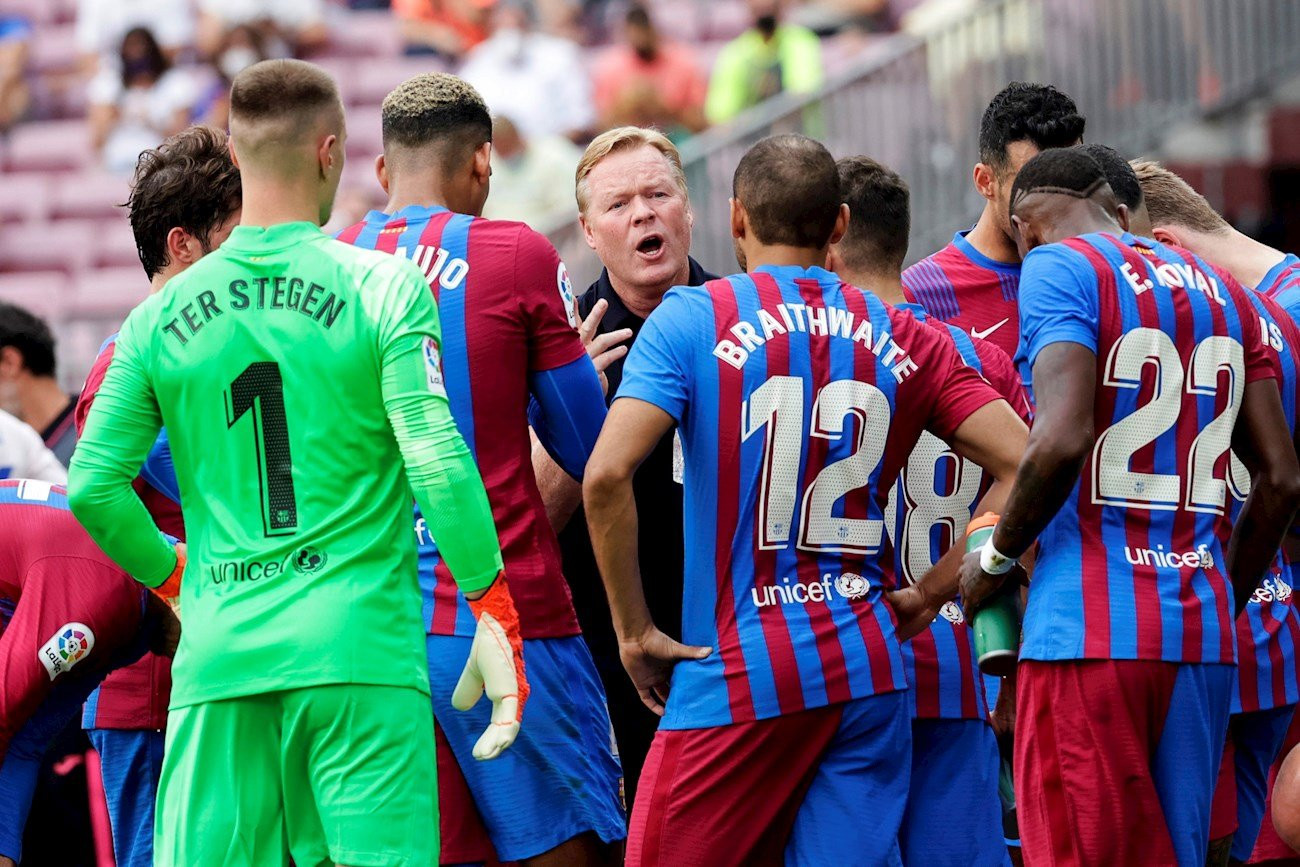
1119 174
187 182
436 110
1066 171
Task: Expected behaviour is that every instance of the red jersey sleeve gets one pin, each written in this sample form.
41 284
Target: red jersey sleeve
957 388
94 380
549 304
1001 374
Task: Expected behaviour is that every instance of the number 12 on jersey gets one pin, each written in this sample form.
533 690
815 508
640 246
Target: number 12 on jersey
777 407
259 393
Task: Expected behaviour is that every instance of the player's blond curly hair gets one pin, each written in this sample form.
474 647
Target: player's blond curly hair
620 139
431 91
436 109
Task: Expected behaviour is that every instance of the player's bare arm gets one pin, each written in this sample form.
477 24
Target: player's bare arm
1065 382
631 432
994 438
1260 439
561 495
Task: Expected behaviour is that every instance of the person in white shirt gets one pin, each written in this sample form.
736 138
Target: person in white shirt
24 456
537 80
286 26
101 24
524 175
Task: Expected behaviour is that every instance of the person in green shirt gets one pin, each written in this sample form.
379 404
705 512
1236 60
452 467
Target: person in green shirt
300 383
767 59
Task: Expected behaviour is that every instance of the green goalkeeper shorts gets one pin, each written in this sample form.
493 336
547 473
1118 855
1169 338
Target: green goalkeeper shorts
338 774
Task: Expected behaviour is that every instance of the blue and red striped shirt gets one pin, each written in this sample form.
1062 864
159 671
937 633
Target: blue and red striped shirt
1132 566
1282 284
929 507
963 287
506 307
798 398
1268 631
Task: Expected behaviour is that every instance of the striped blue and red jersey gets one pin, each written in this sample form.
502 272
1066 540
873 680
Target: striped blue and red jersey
797 398
930 505
1268 630
963 287
133 697
506 308
1132 566
1282 284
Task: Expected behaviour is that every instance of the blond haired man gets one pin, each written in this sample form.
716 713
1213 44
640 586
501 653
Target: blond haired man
632 202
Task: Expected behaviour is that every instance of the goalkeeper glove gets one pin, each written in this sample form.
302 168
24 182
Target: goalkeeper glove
496 663
170 590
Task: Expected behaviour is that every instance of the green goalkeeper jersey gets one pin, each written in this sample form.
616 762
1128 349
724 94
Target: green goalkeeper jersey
300 383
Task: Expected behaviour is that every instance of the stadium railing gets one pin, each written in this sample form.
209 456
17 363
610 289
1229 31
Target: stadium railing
1135 67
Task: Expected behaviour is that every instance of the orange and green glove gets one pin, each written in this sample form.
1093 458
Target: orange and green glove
495 665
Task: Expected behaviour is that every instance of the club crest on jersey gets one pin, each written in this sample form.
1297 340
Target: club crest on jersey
433 367
69 644
567 298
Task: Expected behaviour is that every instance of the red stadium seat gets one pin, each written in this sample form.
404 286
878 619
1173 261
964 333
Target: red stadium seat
364 34
365 137
44 293
55 50
48 145
24 197
108 293
65 245
88 194
114 244
375 79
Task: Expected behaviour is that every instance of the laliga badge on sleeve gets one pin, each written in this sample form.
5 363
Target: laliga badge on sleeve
433 367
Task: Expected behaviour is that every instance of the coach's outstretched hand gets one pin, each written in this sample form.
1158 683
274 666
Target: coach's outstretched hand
495 665
650 658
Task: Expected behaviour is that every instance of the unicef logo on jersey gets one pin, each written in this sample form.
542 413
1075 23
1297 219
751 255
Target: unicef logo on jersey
787 592
852 586
309 560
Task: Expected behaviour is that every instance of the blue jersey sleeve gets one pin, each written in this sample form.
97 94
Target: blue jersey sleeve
566 412
1058 303
159 471
658 368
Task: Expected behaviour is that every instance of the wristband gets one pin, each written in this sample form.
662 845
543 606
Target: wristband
994 561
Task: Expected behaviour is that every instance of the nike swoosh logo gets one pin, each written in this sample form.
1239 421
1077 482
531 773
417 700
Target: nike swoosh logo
987 331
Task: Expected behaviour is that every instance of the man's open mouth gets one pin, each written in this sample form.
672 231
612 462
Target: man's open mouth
650 245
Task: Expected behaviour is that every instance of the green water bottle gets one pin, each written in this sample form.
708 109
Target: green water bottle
997 623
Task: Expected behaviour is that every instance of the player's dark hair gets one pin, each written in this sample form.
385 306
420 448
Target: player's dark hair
880 215
1066 171
436 110
190 182
1037 113
1119 174
789 186
281 89
28 333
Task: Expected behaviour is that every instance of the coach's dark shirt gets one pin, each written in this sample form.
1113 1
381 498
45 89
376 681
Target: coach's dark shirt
659 510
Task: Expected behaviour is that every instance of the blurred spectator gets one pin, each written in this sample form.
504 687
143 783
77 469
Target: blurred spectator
538 80
294 27
446 28
242 48
139 106
29 387
15 46
765 60
649 82
101 24
529 177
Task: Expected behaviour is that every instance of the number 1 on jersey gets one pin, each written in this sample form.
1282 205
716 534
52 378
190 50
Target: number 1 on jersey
259 390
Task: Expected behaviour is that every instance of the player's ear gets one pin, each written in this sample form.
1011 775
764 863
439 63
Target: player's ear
739 219
588 235
482 165
1020 234
381 172
985 181
182 248
834 261
841 223
1121 214
1167 236
230 146
325 154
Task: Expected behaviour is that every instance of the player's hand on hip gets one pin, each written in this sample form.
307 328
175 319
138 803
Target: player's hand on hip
495 666
976 584
650 658
603 349
170 590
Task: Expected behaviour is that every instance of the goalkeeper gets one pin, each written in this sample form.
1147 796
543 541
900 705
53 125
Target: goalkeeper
300 384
